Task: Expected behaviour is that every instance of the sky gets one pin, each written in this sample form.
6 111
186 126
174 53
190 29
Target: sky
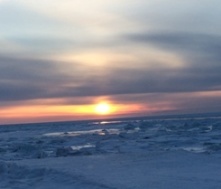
59 59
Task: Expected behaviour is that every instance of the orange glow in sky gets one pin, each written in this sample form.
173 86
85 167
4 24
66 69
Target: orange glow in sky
103 107
36 113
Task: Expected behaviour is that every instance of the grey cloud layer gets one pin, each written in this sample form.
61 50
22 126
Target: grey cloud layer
191 43
23 79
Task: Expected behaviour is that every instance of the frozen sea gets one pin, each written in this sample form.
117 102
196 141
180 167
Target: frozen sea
142 153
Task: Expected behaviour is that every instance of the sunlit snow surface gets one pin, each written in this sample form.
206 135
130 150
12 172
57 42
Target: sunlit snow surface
140 153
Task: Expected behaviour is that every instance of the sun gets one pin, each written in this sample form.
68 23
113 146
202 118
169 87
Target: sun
102 108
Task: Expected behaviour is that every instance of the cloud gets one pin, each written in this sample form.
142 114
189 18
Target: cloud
173 103
200 54
128 81
29 79
193 43
23 79
172 15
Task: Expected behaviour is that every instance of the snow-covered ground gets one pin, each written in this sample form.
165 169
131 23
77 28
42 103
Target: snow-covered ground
127 154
